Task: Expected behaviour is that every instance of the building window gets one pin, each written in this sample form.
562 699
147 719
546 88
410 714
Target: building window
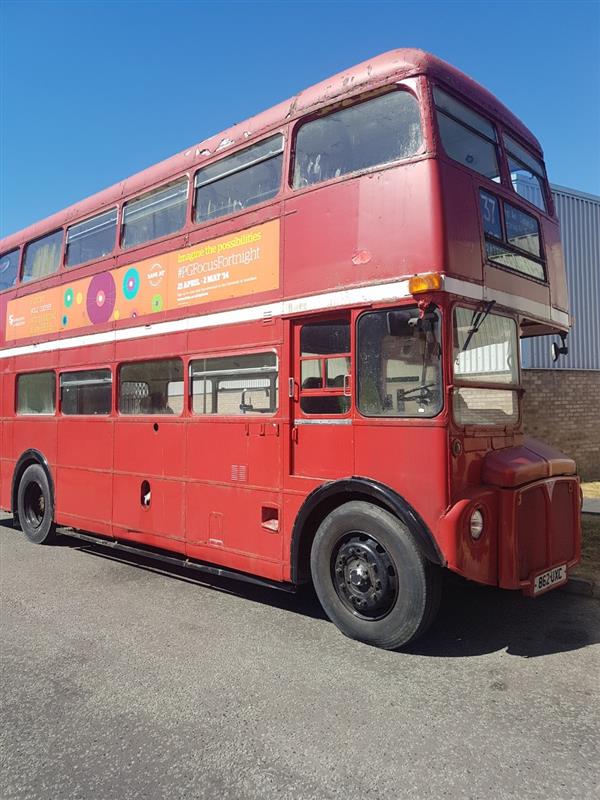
155 214
468 138
91 239
512 237
9 267
239 181
86 392
376 132
36 393
151 387
42 257
234 385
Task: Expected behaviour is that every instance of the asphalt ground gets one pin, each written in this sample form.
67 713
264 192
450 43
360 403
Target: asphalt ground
120 680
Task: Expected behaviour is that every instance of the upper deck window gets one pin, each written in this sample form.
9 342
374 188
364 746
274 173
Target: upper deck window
9 265
91 239
467 136
155 214
42 257
375 132
241 180
526 173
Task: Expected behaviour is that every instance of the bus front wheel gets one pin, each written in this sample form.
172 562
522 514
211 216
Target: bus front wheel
35 506
371 577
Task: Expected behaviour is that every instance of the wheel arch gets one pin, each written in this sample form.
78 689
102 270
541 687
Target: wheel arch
25 460
325 498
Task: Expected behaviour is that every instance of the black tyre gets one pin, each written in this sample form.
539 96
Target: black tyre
35 506
371 577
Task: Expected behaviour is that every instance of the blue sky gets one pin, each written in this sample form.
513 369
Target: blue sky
92 92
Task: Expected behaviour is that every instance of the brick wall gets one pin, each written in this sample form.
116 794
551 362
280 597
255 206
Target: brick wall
562 408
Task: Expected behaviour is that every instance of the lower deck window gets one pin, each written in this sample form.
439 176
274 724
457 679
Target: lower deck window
151 387
36 393
86 392
233 385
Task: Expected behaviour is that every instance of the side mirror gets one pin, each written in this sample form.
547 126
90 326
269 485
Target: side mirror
557 351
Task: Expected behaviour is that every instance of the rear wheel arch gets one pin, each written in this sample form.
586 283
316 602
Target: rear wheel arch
26 459
329 496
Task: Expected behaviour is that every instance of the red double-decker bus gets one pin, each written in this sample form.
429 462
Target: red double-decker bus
291 353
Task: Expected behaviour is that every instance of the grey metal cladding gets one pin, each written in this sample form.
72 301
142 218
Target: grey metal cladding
579 216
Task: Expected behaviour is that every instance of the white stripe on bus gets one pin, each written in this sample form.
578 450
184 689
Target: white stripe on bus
383 292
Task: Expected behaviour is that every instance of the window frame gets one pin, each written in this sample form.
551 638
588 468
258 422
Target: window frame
118 383
48 414
504 242
540 173
426 419
19 250
65 265
214 415
496 143
59 264
456 384
223 156
76 371
347 104
146 193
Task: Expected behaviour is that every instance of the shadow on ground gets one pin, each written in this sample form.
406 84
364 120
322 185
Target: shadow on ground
473 620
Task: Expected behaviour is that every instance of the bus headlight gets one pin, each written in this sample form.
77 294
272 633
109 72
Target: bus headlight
476 524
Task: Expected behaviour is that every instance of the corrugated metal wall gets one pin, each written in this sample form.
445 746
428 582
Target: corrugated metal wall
579 216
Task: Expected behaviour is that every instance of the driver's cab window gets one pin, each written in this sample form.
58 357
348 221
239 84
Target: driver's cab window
399 364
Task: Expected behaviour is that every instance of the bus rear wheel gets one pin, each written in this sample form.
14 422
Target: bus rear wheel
35 506
371 577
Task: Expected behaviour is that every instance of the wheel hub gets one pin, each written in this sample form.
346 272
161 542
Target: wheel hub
364 576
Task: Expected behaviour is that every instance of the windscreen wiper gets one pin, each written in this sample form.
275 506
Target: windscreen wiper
480 313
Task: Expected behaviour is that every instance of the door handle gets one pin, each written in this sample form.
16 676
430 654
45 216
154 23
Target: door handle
292 389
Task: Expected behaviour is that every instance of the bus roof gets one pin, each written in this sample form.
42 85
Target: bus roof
398 64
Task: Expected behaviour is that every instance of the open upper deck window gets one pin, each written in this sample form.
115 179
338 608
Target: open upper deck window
9 265
378 131
467 137
155 214
42 257
241 180
91 239
527 173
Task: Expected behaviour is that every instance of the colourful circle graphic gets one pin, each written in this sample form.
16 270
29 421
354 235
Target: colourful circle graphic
157 302
79 298
131 283
100 299
65 320
69 297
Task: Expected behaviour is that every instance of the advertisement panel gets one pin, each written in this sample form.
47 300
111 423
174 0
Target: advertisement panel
243 263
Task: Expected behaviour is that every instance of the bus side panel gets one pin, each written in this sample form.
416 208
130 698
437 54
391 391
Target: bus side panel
230 519
362 230
233 488
37 433
412 460
149 458
84 472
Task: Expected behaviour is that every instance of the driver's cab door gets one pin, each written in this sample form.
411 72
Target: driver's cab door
321 398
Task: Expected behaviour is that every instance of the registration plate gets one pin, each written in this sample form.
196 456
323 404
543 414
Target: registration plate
550 579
